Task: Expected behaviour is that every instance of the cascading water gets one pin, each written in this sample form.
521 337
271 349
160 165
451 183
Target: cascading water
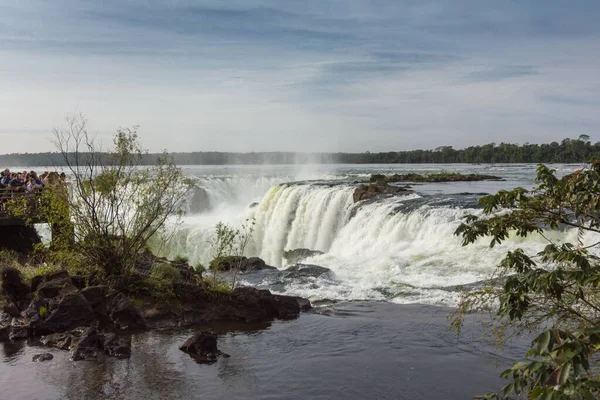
401 249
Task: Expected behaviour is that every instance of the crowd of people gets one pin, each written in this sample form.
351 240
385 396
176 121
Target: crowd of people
29 181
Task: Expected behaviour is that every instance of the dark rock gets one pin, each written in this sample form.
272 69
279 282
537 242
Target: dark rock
19 238
71 311
53 288
86 348
13 287
62 341
96 296
306 270
123 315
11 309
189 293
378 189
4 333
116 346
241 263
202 347
297 255
37 280
378 178
253 205
19 332
42 357
303 303
79 281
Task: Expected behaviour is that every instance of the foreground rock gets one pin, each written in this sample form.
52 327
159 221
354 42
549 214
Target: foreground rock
296 255
243 264
92 321
202 347
376 190
42 357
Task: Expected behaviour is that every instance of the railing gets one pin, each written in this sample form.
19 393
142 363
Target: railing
11 198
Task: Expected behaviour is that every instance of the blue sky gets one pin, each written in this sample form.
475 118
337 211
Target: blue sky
313 75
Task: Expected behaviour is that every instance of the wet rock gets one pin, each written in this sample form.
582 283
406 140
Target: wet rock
378 189
62 341
306 270
19 332
296 255
4 333
72 311
116 346
86 348
202 347
13 287
42 357
79 281
123 315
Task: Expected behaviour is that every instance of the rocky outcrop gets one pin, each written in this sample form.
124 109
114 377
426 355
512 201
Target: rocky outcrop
202 347
124 315
19 238
13 289
378 189
296 255
241 263
87 346
306 271
115 345
242 304
70 311
431 178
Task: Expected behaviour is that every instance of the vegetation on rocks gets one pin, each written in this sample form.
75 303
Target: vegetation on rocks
554 293
431 178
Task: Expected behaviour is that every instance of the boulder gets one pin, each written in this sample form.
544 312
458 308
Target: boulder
71 311
86 348
11 309
306 270
13 287
296 255
378 189
124 315
244 264
19 332
116 346
62 341
53 288
96 296
202 347
42 357
39 279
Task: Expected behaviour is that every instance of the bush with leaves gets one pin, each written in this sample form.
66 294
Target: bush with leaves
554 293
112 206
230 243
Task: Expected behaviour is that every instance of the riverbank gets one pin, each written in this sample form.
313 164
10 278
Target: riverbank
361 350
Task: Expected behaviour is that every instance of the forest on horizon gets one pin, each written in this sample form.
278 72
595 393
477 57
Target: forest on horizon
567 151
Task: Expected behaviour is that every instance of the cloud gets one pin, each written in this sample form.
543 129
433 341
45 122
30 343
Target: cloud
326 75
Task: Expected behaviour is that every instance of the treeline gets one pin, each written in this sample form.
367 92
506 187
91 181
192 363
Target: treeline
567 151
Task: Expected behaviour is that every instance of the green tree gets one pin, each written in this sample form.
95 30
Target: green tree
114 204
554 293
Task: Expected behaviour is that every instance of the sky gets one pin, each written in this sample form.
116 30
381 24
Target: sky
310 75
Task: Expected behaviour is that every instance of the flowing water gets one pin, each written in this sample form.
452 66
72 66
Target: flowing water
399 249
360 345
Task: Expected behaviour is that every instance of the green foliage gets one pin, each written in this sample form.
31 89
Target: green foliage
181 260
230 244
555 292
113 207
43 311
165 272
200 268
